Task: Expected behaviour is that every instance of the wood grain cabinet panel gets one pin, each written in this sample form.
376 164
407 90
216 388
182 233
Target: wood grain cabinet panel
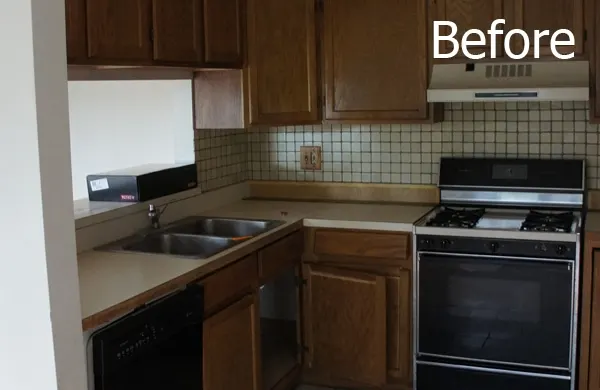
589 344
362 244
231 342
375 60
399 327
229 283
281 76
561 14
345 324
75 19
177 29
280 256
119 31
470 14
358 286
223 37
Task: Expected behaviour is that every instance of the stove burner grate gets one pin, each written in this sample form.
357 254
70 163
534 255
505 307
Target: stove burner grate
459 218
537 221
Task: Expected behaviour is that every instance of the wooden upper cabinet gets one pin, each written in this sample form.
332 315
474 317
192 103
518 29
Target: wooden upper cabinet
119 30
223 37
470 14
281 74
178 29
345 324
530 15
75 25
375 60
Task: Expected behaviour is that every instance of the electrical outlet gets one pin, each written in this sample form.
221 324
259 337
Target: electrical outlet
310 158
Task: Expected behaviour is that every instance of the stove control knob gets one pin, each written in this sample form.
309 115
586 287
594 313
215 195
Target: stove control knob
445 244
561 250
427 243
494 247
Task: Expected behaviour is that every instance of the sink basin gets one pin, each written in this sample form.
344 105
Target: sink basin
194 237
222 227
199 247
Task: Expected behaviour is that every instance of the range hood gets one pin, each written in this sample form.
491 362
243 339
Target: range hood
560 80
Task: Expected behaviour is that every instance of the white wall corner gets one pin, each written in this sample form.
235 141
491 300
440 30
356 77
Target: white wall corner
40 331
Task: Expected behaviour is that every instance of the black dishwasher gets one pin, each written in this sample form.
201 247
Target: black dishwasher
157 347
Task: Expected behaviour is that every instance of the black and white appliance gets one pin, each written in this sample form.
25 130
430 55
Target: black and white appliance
156 347
496 270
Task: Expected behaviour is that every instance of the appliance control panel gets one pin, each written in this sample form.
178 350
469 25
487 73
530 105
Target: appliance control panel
497 247
146 328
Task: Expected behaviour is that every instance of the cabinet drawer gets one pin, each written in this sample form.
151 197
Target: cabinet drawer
230 282
362 244
280 255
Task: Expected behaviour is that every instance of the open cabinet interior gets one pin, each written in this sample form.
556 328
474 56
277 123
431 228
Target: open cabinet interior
279 327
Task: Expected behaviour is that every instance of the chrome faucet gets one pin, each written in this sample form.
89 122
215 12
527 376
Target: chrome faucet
154 214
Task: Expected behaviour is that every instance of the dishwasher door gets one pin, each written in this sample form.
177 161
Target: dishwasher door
157 347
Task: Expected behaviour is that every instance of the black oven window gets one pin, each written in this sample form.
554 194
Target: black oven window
495 310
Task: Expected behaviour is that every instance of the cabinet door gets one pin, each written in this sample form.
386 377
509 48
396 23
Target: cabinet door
562 14
75 25
345 325
399 327
470 14
177 29
119 30
281 71
223 33
375 56
232 347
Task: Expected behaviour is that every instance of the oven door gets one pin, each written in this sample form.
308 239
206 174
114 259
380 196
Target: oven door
492 309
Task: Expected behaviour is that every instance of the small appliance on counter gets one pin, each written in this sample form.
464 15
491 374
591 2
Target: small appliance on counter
142 183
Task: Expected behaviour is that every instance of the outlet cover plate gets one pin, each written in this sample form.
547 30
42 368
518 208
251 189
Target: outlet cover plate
310 158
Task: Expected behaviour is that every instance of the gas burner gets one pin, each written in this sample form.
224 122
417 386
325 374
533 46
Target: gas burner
537 221
456 218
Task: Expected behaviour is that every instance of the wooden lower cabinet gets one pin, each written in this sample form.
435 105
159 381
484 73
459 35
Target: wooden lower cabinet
589 346
357 312
252 320
232 347
345 325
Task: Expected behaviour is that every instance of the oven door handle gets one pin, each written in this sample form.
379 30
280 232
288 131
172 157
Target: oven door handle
480 267
570 262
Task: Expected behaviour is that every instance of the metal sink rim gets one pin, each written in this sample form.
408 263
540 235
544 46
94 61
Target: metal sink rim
168 229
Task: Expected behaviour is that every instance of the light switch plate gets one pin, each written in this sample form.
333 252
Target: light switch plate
310 158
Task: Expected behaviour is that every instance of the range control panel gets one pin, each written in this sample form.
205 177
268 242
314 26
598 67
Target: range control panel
497 247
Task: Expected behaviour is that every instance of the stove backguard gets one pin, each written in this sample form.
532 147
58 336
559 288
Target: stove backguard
540 183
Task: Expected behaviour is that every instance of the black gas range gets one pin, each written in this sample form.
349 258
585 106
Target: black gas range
496 276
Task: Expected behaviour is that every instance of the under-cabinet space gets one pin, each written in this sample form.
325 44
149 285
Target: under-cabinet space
279 327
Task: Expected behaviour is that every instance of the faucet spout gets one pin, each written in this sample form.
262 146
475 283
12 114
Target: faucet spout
154 216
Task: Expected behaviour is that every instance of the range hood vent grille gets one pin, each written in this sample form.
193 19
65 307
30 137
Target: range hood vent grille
508 70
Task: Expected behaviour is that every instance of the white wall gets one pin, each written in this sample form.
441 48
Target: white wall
40 325
125 123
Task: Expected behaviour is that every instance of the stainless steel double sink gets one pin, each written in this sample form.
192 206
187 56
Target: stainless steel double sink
194 237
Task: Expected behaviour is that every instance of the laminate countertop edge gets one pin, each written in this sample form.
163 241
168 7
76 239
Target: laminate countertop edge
112 284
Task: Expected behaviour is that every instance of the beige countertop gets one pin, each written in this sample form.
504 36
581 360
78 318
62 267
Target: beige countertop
111 283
